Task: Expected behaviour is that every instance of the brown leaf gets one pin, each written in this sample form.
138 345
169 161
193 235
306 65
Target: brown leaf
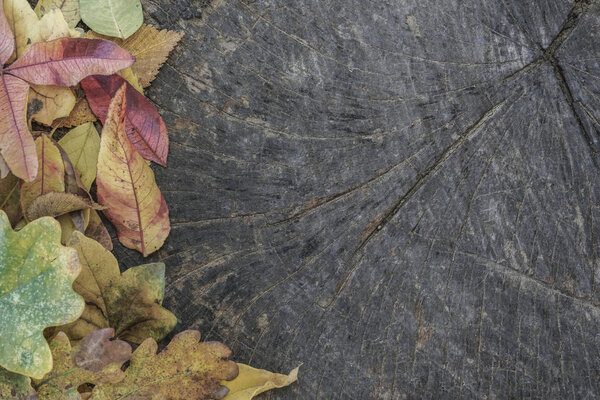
54 204
96 351
97 231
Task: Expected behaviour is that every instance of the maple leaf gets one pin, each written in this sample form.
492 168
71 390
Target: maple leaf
144 126
96 359
149 46
126 185
129 302
36 275
60 62
251 382
185 369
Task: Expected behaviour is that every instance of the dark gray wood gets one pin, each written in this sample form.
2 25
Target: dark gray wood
402 195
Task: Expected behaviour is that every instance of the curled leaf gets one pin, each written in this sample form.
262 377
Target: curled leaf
127 188
36 274
54 204
129 302
185 369
251 382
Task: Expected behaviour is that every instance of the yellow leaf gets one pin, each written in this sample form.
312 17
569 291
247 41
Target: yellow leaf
23 23
150 46
97 231
50 176
130 77
126 186
69 8
129 302
47 103
251 382
82 145
68 225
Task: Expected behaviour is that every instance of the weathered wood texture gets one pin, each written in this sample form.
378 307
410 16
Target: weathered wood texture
400 194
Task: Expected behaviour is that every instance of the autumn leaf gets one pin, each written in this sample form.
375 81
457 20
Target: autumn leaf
54 204
80 114
145 128
129 302
23 23
127 188
50 175
149 46
69 8
251 382
47 103
82 145
15 386
185 369
36 274
118 18
9 198
94 360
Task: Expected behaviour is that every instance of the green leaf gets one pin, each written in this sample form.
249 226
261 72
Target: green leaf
82 145
36 277
15 386
118 18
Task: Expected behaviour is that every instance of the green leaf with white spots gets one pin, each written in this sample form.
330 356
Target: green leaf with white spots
36 277
118 18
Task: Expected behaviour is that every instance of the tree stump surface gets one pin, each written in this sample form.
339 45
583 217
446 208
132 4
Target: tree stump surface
400 195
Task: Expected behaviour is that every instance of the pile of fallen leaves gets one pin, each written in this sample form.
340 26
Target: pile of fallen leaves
68 317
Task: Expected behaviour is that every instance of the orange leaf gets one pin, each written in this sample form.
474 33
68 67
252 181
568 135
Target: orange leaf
127 188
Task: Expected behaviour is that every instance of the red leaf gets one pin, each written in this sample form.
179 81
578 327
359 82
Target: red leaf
145 128
66 61
16 143
7 41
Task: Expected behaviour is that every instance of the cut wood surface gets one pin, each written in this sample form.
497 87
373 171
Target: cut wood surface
401 195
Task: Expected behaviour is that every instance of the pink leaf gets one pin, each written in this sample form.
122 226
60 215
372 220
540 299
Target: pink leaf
7 40
66 61
16 144
145 128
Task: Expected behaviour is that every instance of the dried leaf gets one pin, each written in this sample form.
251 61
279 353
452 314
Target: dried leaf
150 46
80 114
96 351
68 225
69 8
16 143
145 128
129 302
82 145
127 188
185 369
36 274
130 77
118 18
251 382
7 42
9 198
51 102
54 204
15 386
66 376
97 231
66 61
50 175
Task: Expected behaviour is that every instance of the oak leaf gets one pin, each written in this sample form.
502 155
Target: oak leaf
149 46
36 275
251 382
72 366
15 386
185 369
118 18
126 186
144 126
129 302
